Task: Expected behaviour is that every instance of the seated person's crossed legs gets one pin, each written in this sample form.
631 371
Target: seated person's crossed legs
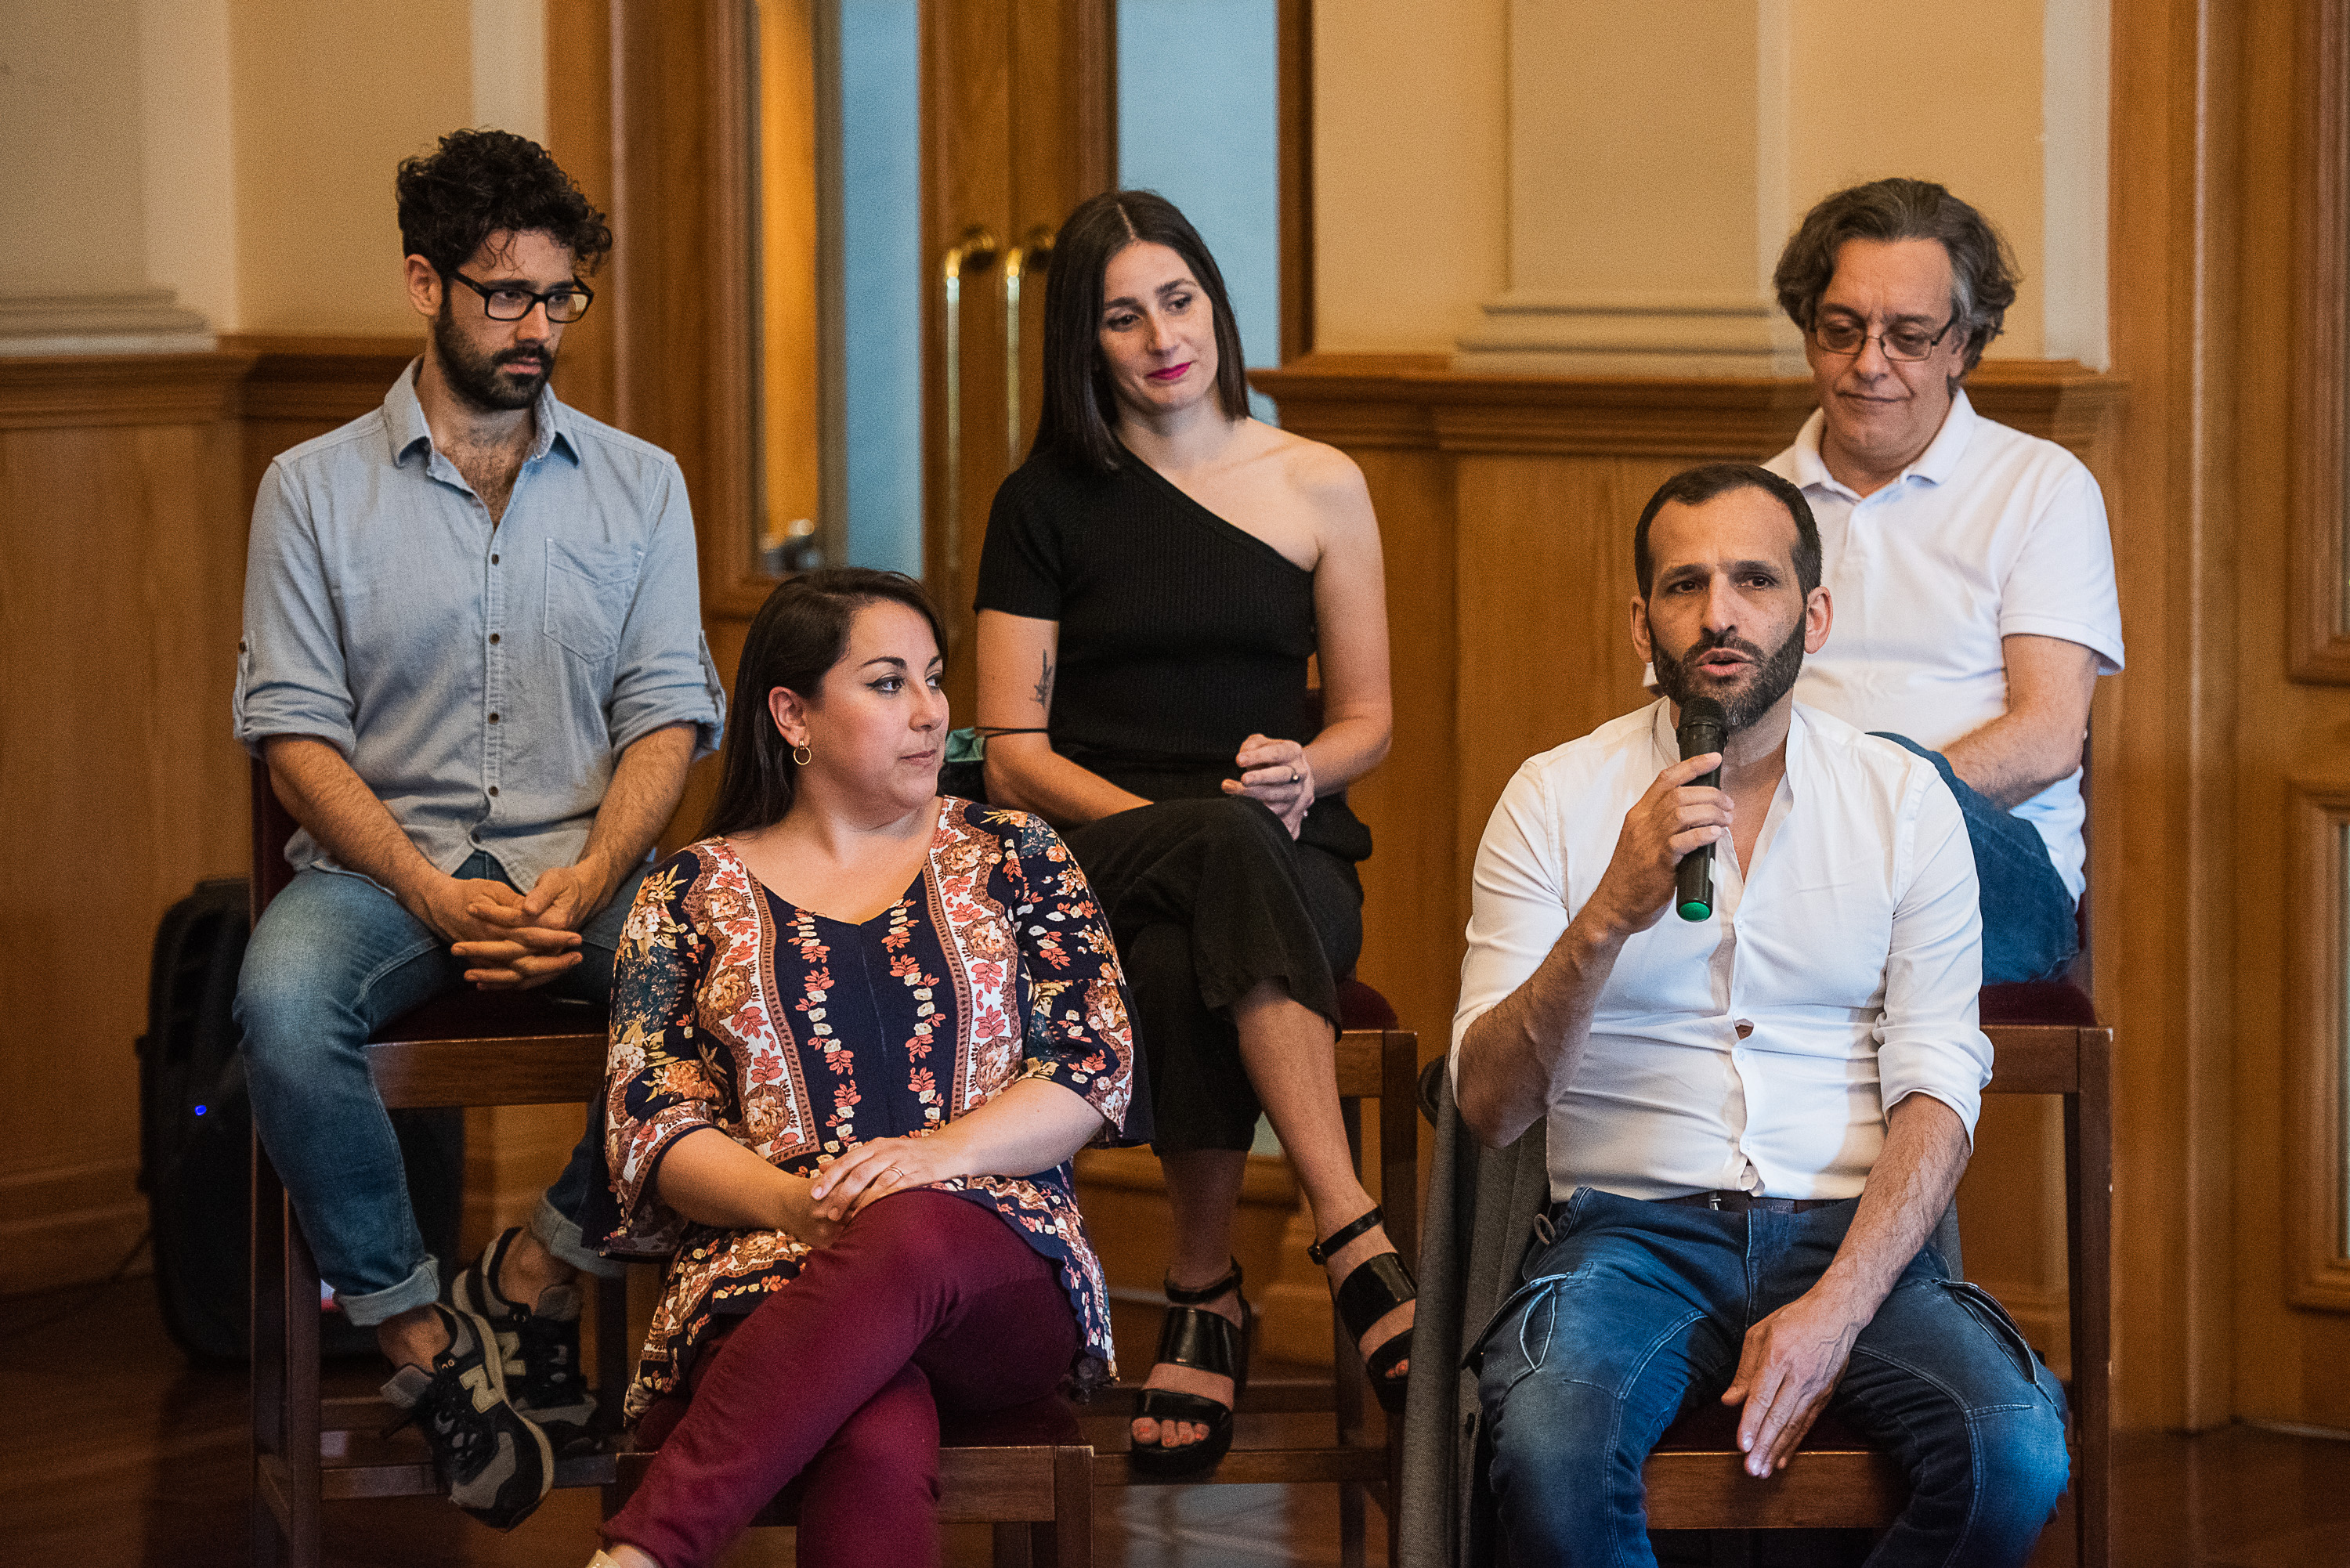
1639 1312
1162 577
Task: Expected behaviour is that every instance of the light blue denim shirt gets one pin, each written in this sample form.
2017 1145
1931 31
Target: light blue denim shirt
482 678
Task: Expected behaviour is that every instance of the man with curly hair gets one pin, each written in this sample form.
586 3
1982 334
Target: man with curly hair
473 664
1969 564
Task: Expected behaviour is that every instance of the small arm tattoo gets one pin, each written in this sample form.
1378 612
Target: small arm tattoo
1045 683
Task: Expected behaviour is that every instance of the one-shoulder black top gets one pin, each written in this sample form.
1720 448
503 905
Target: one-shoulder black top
1180 634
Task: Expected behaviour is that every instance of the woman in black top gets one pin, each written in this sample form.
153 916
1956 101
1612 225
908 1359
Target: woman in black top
1156 579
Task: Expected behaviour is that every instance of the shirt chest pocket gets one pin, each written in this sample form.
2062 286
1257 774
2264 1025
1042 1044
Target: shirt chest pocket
589 588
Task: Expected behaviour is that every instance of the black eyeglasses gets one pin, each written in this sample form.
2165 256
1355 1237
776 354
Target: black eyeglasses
1848 337
508 302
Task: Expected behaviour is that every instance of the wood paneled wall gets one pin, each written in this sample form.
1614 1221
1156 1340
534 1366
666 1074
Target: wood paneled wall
126 489
1506 505
119 607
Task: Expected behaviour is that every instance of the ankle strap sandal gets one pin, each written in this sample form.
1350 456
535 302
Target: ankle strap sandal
1204 1341
1377 1287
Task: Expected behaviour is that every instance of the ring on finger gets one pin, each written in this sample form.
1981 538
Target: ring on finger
1294 775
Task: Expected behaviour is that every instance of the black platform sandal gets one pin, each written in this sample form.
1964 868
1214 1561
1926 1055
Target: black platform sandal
1206 1341
1378 1286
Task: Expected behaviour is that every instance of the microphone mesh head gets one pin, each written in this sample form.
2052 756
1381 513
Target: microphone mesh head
1704 726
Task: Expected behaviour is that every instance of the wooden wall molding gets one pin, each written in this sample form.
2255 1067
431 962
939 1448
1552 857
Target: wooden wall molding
1419 402
89 390
250 375
2317 1014
318 377
2320 353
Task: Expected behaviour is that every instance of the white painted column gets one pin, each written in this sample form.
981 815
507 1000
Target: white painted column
73 208
1659 155
1648 148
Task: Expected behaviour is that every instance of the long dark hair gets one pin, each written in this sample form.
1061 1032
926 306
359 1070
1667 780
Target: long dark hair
800 633
1080 411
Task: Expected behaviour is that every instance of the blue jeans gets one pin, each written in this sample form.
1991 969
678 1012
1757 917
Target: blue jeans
334 958
1635 1313
2029 932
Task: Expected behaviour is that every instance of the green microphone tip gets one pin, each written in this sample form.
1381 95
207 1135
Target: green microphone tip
1694 911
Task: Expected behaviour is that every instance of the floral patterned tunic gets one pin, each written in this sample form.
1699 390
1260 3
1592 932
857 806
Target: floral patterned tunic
800 1036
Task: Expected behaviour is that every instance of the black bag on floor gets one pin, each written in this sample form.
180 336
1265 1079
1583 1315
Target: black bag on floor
195 1137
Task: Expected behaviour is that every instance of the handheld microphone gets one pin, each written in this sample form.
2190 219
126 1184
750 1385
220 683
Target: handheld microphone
1704 728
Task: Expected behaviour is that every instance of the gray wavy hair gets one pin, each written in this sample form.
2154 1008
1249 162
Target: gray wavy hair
1983 269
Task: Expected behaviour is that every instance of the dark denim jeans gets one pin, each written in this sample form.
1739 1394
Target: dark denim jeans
1635 1313
2029 933
334 958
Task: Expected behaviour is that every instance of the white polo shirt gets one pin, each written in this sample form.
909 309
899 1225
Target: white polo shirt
1853 952
1990 533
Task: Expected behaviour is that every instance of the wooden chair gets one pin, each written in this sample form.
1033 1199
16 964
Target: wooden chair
2046 1040
512 1049
465 1049
1038 1496
1377 1062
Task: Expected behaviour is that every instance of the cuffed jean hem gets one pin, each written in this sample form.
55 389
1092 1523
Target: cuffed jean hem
422 1288
562 1236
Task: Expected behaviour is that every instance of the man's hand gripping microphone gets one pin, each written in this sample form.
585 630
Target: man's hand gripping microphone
1704 728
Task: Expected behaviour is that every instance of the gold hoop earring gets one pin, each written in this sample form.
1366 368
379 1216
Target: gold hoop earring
802 756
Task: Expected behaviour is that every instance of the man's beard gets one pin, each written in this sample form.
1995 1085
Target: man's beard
1772 678
478 379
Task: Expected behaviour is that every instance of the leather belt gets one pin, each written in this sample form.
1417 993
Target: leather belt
1730 1203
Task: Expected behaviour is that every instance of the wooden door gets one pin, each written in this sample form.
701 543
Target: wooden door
1018 127
655 110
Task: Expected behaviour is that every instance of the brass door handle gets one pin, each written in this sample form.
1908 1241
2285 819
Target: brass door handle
974 252
1034 249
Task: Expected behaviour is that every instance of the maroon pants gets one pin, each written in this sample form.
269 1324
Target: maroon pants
925 1301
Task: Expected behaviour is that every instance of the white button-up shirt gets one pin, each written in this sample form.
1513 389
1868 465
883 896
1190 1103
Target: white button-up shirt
1851 951
1990 534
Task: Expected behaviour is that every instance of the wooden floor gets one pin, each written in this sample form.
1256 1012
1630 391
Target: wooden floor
118 1453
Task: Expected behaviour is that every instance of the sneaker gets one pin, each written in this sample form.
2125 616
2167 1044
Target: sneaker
540 1346
495 1462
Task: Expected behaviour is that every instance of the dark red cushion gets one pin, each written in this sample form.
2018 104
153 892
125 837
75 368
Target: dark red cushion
2038 1001
1360 1007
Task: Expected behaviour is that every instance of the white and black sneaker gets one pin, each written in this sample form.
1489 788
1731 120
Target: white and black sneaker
540 1346
495 1461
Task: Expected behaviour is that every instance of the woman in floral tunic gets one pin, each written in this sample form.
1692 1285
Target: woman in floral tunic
858 1032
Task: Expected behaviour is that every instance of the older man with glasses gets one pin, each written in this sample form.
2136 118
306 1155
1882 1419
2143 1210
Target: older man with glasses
473 660
1969 564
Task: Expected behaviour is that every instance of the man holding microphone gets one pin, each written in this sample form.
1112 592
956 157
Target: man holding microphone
1759 1102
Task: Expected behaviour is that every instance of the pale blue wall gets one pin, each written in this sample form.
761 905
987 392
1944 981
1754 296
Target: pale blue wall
881 241
1199 99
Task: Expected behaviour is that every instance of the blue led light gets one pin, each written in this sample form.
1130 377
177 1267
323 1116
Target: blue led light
200 1110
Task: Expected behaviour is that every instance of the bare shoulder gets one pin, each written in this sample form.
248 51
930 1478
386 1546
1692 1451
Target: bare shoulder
1317 474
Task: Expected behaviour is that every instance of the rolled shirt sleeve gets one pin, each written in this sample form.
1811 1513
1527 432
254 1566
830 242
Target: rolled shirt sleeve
1518 903
289 661
666 675
1928 1038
